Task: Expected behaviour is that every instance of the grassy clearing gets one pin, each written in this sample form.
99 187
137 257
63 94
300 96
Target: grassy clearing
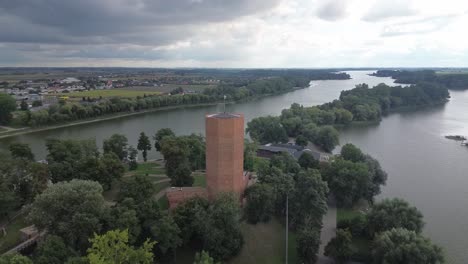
346 214
264 243
163 203
149 168
111 93
13 237
200 180
161 186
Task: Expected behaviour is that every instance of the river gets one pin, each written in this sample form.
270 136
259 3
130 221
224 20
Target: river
424 168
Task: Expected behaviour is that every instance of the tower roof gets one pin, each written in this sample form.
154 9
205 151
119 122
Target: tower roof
224 115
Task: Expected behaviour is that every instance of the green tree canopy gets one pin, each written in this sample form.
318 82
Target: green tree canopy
347 180
116 144
259 206
307 161
14 259
113 248
204 258
339 248
352 153
7 105
160 135
72 210
21 150
53 250
140 188
267 130
400 245
301 141
144 145
394 213
307 243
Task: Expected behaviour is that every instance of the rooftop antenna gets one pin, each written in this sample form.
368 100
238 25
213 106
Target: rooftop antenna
224 103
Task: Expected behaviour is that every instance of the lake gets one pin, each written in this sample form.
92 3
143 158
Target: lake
423 167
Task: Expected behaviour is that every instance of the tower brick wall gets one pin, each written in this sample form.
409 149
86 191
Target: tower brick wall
225 153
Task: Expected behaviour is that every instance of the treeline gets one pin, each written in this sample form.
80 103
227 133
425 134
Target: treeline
73 111
359 104
451 81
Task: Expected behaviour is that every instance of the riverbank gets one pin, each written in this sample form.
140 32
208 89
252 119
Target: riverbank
26 130
11 132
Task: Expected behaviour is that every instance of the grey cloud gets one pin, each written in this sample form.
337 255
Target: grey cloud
383 10
419 26
333 10
91 18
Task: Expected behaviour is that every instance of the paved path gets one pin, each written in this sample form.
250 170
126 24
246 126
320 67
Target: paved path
328 231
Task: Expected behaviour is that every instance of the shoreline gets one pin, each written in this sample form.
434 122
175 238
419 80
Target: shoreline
27 130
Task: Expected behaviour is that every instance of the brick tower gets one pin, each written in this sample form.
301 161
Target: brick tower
225 153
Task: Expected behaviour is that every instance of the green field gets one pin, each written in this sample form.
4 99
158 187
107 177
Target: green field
346 213
200 180
149 168
13 237
264 243
166 88
110 93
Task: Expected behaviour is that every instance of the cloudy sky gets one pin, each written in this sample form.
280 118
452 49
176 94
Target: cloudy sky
234 33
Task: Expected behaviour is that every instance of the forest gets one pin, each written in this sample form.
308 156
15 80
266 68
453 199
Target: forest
453 81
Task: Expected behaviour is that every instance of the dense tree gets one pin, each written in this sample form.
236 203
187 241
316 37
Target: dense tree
116 144
190 218
167 233
160 135
339 248
327 138
307 243
53 250
132 156
307 161
250 153
144 145
267 130
216 224
404 246
21 150
111 168
301 141
347 180
377 175
7 105
352 153
259 203
113 248
204 258
309 200
72 210
222 234
182 176
140 188
394 213
8 200
14 259
282 184
124 216
285 162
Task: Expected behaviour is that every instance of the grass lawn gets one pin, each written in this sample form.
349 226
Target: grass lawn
110 93
150 168
346 213
12 237
161 186
200 180
264 243
163 203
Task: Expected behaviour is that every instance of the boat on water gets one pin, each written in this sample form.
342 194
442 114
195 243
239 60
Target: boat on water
456 137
